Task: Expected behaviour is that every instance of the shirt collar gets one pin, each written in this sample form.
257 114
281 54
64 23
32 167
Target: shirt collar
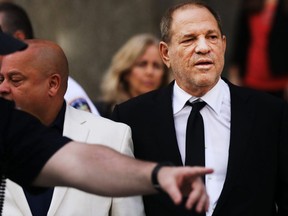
59 121
213 98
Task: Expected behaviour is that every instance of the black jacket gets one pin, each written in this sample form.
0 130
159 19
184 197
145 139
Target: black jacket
257 173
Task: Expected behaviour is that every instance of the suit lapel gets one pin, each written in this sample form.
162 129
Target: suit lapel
164 123
74 128
75 125
242 120
58 196
15 192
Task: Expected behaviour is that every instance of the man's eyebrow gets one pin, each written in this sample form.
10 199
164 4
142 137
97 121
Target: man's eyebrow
194 34
14 72
212 31
189 35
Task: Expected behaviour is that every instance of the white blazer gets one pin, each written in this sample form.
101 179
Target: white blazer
85 127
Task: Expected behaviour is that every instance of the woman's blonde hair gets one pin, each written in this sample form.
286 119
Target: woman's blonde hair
114 87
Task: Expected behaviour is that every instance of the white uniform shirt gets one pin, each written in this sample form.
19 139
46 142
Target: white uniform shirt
216 117
76 96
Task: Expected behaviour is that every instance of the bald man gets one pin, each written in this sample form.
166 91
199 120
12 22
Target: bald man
36 80
16 22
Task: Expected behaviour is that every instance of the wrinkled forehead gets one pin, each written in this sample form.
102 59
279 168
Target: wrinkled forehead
20 61
193 14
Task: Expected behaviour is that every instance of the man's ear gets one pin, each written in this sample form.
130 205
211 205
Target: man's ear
54 84
19 34
164 53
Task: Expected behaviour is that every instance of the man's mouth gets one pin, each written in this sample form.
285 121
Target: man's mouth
204 63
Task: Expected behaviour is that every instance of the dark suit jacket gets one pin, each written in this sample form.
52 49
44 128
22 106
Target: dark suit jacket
257 173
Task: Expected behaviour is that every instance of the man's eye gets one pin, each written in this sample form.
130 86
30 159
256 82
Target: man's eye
188 40
16 80
213 37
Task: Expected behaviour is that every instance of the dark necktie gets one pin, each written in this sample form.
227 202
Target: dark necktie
195 145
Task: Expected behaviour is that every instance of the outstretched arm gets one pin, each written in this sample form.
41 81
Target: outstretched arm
103 171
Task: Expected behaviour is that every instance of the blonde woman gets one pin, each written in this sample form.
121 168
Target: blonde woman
136 68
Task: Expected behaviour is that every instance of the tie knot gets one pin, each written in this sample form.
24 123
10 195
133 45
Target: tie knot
196 105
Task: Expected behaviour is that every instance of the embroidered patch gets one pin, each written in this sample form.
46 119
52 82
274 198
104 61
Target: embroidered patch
81 104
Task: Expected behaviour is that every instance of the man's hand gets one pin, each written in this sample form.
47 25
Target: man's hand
185 181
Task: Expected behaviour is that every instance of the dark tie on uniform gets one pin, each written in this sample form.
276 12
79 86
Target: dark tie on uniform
195 144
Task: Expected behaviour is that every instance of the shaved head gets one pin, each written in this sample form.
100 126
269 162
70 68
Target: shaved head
36 79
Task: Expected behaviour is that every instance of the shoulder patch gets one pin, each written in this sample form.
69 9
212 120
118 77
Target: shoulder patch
81 104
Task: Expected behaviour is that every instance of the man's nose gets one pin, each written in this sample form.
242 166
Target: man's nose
202 46
4 89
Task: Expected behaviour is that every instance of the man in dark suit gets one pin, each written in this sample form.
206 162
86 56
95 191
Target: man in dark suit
245 131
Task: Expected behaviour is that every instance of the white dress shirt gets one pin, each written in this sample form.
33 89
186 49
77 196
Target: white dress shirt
216 117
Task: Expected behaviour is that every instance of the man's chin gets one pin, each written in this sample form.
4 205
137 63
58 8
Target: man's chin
207 80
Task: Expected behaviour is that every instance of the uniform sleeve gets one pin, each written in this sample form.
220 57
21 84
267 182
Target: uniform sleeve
26 145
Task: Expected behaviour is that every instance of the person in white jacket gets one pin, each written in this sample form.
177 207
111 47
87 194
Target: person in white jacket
42 82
